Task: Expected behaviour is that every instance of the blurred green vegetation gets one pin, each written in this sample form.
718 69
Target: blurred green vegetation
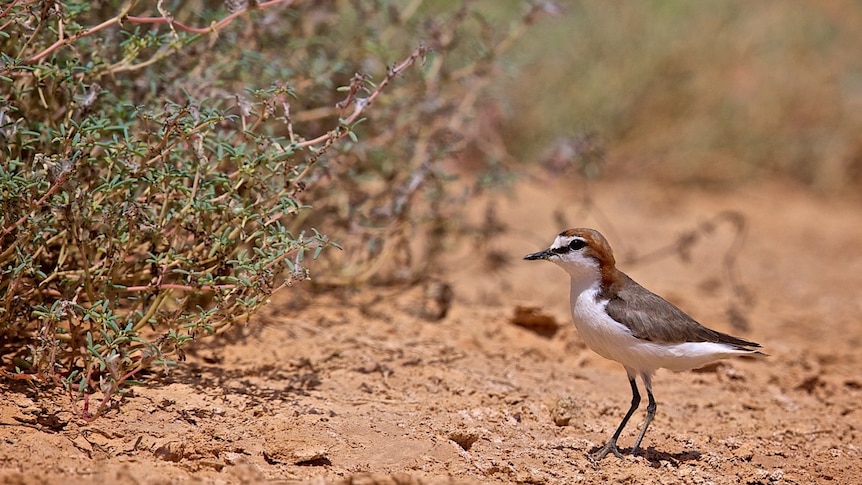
697 92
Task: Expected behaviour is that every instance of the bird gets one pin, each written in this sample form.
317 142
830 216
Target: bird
622 321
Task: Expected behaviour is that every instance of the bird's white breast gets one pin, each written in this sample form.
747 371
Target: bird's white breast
600 332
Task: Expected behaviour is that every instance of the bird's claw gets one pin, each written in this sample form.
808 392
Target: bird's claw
609 447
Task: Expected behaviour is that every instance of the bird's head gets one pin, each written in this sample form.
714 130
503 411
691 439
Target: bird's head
581 252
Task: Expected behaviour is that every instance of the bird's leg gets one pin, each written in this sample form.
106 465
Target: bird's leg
650 410
611 446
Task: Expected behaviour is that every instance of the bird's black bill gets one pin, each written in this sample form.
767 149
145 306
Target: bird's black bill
540 255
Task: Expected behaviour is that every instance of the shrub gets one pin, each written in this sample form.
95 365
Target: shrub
159 180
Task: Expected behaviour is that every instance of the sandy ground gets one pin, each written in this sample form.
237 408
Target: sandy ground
362 387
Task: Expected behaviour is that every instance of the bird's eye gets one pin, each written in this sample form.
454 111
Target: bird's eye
574 245
577 244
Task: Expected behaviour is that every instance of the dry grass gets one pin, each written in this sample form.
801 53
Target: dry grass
699 92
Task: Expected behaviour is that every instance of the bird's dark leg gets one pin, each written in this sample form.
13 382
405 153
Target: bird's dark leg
650 410
611 446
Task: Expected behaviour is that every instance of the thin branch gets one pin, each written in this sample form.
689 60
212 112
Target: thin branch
124 17
364 103
65 41
174 286
64 175
6 12
360 105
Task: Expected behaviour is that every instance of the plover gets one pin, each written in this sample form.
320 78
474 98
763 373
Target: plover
623 321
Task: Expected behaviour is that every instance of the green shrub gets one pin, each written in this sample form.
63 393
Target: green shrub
164 165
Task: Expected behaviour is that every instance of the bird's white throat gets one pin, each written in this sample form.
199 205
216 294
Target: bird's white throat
584 272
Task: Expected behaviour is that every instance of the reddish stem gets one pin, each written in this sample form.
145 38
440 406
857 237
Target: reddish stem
174 286
150 20
49 193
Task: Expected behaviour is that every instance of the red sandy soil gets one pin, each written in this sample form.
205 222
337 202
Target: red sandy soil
362 387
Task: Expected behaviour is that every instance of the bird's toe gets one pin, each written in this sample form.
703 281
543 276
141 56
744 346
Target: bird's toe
609 447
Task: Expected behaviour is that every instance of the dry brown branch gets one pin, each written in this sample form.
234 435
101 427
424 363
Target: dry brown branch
124 17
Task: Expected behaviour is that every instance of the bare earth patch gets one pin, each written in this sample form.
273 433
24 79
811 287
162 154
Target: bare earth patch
365 386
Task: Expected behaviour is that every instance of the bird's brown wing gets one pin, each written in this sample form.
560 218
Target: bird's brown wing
651 317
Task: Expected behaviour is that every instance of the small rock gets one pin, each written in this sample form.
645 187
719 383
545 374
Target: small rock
234 458
437 300
464 438
300 456
563 411
301 442
744 452
810 384
170 451
535 321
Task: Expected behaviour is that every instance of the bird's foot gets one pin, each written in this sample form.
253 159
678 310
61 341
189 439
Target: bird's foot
609 447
